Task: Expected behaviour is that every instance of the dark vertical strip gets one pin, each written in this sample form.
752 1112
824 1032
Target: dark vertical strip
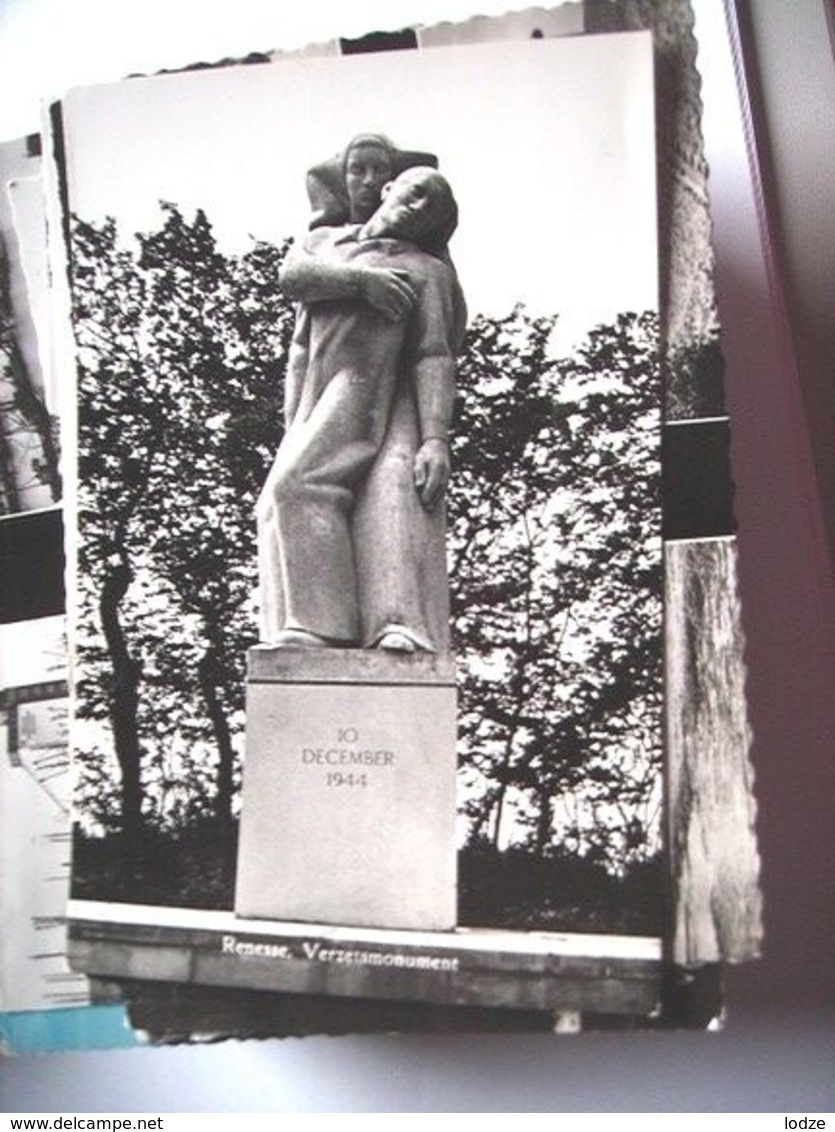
59 155
31 566
696 477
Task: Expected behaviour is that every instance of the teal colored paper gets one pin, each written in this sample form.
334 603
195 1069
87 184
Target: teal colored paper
69 1030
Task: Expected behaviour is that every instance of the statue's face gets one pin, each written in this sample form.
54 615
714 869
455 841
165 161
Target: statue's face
413 206
367 169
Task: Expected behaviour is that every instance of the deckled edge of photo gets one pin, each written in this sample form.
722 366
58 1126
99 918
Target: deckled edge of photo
491 27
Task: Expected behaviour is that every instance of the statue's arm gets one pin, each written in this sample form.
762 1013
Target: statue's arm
314 278
435 396
438 325
435 393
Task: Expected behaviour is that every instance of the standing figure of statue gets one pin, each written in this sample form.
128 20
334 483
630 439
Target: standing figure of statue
351 518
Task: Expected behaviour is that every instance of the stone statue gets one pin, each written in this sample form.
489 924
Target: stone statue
347 187
351 521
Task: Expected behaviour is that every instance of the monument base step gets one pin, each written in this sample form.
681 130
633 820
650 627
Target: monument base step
588 974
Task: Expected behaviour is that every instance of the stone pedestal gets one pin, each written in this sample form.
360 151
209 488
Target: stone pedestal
348 812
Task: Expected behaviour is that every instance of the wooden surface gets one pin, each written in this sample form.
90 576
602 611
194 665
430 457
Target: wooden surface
713 851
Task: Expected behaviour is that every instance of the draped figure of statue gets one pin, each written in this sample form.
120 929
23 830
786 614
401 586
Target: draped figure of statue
351 519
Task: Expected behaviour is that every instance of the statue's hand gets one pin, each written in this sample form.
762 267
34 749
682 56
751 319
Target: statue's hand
388 290
431 471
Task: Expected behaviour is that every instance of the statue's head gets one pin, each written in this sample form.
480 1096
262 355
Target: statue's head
417 206
374 160
368 165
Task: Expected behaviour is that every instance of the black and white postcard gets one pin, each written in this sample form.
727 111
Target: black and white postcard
188 197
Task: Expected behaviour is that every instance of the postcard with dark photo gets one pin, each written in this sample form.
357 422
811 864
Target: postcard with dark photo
29 453
365 522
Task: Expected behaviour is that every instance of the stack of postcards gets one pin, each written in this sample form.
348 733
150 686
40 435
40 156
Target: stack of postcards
404 671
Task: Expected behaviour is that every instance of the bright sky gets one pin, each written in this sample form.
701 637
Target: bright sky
549 145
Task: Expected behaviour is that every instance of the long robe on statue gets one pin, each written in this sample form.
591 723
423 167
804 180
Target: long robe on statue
346 549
